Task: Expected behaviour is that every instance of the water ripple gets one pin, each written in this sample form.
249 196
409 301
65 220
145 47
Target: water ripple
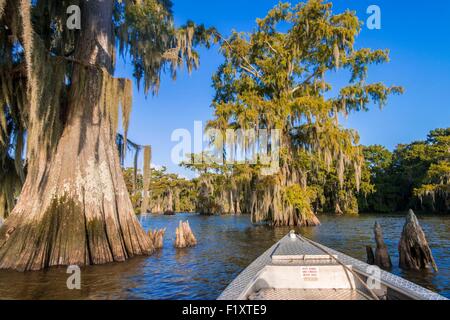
226 246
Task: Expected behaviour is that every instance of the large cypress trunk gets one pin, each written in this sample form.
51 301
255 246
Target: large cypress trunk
74 207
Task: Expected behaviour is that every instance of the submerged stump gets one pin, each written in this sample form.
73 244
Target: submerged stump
415 253
184 236
370 256
382 258
157 237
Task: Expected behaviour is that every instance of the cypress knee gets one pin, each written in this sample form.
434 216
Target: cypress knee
184 236
382 258
370 255
157 237
415 253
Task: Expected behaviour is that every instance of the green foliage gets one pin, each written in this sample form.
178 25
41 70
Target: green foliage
275 78
145 30
300 198
217 186
413 176
168 191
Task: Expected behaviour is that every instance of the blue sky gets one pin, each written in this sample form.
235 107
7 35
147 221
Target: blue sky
418 36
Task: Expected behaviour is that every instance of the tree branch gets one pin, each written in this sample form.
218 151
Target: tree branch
254 72
271 48
315 73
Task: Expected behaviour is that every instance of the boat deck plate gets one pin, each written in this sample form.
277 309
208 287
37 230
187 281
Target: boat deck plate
309 294
298 249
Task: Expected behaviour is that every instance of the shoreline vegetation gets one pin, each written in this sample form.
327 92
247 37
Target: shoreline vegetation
67 200
413 176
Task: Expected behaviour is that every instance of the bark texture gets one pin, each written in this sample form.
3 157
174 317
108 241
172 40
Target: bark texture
415 253
74 208
184 236
382 258
370 255
157 237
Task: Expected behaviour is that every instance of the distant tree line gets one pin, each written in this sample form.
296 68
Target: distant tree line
168 192
415 175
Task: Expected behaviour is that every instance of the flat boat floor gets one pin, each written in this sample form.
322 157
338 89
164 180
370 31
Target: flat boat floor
296 268
307 294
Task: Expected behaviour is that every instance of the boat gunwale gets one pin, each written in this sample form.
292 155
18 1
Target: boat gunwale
241 284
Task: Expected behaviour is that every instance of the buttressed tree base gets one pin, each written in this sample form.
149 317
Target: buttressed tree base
74 207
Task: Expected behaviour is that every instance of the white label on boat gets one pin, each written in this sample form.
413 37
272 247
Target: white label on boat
310 273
